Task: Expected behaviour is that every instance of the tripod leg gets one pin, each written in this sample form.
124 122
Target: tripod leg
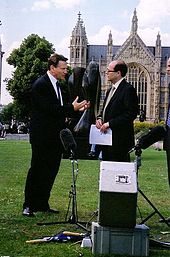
73 219
70 197
155 209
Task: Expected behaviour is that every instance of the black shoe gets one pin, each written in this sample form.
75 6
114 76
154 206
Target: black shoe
52 211
27 212
49 210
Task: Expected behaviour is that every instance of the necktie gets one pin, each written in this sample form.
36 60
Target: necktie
108 99
58 91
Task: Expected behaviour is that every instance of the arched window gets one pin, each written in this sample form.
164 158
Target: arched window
137 77
82 52
72 54
77 53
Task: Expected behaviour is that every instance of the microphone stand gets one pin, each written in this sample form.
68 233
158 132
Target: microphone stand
138 153
73 219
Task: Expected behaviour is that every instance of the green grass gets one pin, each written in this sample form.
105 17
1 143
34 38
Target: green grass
16 229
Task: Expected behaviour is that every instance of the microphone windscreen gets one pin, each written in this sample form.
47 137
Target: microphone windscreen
68 140
156 134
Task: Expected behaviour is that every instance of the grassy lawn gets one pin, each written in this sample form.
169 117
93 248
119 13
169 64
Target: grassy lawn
16 229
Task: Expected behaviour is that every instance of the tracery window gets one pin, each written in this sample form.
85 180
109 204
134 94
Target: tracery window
137 77
72 53
82 53
77 53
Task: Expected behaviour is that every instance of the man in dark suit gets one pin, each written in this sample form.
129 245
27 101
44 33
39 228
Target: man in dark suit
50 108
119 110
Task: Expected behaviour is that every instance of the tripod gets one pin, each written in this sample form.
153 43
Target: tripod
73 219
138 153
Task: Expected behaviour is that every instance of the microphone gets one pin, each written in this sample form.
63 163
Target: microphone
156 134
68 140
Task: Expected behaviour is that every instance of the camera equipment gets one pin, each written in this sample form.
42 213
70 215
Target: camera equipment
67 140
138 153
155 134
69 143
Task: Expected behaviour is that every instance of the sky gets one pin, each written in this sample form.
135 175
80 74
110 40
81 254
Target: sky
55 20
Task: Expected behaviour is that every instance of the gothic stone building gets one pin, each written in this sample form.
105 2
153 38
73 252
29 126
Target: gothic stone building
146 66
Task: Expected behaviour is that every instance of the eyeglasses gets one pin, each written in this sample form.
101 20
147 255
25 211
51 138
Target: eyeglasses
110 71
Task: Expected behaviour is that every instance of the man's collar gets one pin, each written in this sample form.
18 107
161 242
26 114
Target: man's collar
118 83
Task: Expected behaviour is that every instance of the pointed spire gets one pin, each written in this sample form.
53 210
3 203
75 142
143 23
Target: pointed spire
158 40
134 23
110 40
78 44
79 29
79 16
158 47
109 48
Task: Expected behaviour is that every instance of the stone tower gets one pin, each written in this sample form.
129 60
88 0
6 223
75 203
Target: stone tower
109 48
78 45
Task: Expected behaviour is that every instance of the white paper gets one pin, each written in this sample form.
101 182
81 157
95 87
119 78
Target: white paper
98 138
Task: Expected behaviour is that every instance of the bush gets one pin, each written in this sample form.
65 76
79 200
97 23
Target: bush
142 127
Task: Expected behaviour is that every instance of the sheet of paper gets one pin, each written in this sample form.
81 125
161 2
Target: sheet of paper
98 138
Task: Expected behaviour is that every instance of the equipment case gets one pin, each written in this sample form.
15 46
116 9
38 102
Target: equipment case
129 241
117 194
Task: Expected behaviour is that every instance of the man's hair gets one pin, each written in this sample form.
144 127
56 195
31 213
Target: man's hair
54 60
122 67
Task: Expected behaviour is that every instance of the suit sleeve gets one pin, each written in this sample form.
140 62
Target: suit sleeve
45 101
126 110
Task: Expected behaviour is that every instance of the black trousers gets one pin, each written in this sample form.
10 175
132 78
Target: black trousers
45 164
110 154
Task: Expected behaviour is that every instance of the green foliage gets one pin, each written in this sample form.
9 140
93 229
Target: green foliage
13 111
7 113
29 61
16 229
145 126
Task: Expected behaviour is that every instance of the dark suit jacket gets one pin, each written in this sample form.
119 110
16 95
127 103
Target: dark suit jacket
48 116
120 113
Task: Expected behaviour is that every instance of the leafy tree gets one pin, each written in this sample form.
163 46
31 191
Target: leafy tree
7 113
29 61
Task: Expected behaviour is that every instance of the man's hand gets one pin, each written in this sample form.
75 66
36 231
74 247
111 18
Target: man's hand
82 106
99 123
104 127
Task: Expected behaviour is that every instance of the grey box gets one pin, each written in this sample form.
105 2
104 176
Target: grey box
132 242
117 194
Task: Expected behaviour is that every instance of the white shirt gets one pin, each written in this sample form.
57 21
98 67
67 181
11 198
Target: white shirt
115 88
117 84
53 81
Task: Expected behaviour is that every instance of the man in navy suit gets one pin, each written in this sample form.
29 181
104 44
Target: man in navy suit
50 108
119 110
